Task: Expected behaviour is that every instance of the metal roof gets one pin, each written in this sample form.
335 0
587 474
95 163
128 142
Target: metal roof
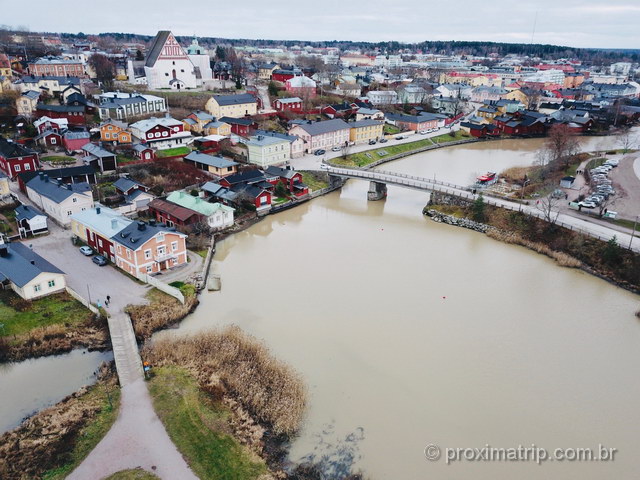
214 161
20 265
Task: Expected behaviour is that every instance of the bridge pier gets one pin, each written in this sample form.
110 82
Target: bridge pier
377 191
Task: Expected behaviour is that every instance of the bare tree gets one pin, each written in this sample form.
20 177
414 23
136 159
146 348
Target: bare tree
627 140
548 206
561 144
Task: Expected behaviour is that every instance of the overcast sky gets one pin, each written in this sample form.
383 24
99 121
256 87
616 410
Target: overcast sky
578 23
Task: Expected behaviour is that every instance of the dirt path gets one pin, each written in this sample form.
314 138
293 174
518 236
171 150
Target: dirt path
137 439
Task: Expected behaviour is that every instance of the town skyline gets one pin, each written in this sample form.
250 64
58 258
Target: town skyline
577 24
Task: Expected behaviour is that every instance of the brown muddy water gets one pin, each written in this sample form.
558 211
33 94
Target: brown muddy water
411 333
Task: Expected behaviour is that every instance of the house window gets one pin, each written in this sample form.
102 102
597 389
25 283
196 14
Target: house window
147 254
17 168
107 135
52 283
27 166
149 269
74 200
99 242
36 288
157 134
174 246
69 213
129 254
160 237
161 250
53 141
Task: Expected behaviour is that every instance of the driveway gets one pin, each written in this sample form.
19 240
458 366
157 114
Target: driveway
85 277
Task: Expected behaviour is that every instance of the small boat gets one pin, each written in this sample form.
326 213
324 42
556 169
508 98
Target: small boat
487 177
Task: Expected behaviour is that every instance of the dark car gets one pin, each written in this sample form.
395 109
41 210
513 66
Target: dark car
319 152
372 142
99 260
400 137
383 140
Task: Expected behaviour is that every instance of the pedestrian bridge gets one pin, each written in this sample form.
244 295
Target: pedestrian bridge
380 179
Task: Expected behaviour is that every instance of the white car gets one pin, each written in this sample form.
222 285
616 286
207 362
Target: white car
325 165
587 204
335 149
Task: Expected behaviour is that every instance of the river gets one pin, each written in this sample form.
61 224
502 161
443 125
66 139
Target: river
31 385
410 332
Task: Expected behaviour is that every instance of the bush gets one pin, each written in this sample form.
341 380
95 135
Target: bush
20 304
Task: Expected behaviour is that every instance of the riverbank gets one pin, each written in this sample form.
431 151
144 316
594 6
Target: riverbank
607 260
51 443
228 404
47 326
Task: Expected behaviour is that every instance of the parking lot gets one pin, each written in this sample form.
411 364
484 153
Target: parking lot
85 277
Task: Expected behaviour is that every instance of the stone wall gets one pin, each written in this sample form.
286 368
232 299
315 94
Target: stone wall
439 198
440 217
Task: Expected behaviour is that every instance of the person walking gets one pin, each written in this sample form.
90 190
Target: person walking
108 300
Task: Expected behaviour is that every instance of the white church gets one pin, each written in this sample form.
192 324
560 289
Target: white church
168 65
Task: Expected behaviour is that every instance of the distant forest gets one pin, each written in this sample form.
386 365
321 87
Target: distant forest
548 52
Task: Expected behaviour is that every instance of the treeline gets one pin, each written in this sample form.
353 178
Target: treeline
477 48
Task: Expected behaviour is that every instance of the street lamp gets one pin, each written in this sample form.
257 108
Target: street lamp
633 234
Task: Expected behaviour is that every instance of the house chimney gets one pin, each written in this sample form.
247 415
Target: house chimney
32 262
141 226
46 177
114 223
97 210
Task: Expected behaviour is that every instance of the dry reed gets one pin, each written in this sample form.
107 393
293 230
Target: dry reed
230 360
561 258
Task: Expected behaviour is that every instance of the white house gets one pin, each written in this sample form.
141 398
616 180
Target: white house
161 133
30 220
59 201
382 97
27 273
218 215
121 106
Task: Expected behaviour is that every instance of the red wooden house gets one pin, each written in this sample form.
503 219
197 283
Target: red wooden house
239 126
174 215
15 158
291 179
293 104
74 114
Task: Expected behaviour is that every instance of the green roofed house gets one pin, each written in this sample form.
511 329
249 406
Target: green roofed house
218 216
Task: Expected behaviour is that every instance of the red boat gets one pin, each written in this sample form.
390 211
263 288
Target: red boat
487 177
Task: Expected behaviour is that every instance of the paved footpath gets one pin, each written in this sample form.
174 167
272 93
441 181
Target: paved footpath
137 439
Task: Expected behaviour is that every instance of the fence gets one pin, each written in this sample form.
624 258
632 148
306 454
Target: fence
81 299
163 287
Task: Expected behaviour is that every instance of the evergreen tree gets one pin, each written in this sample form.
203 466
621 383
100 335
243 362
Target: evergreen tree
477 210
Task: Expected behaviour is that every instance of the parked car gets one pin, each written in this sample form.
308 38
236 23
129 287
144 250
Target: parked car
99 260
319 152
424 132
585 204
86 250
400 137
383 140
335 149
372 142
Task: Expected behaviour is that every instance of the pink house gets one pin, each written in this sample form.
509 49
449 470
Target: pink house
74 141
301 86
322 135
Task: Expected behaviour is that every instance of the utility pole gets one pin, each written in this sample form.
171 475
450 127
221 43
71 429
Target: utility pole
633 234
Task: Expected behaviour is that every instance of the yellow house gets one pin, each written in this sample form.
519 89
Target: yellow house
517 95
196 121
488 113
114 131
217 127
5 66
266 70
234 106
365 130
26 102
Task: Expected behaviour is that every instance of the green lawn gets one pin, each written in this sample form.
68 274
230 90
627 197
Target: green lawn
279 200
135 474
124 159
389 129
198 426
92 433
54 309
172 152
365 158
311 180
58 159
